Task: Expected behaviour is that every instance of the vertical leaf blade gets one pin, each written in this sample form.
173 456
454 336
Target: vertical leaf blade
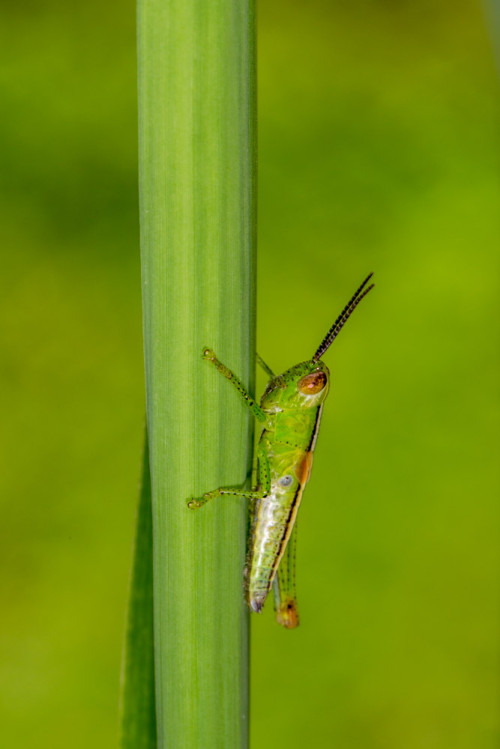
197 164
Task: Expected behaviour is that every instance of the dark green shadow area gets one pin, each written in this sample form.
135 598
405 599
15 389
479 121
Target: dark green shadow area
138 713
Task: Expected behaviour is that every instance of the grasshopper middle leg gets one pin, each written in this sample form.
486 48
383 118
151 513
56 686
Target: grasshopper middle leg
260 493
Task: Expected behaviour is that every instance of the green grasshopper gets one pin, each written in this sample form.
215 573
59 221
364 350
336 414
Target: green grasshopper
290 412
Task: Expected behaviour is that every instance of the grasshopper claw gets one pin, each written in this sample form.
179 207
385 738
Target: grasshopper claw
208 354
194 504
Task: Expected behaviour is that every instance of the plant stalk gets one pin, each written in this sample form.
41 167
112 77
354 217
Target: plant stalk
197 211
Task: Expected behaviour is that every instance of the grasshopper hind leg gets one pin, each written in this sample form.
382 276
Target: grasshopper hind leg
285 596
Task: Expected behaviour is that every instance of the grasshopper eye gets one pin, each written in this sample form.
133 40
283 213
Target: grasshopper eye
285 480
312 383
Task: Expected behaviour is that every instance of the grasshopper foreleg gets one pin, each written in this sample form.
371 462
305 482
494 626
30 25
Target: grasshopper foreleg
254 407
261 492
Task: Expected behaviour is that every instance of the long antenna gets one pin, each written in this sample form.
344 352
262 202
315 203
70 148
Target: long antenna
342 318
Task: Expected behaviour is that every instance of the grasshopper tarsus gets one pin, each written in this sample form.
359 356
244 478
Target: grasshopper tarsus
195 504
208 354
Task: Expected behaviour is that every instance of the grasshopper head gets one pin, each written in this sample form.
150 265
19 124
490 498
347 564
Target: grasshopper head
303 386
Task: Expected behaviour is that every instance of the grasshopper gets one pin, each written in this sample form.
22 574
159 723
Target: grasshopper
290 412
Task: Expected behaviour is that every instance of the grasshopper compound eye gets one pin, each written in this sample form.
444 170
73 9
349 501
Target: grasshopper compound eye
312 383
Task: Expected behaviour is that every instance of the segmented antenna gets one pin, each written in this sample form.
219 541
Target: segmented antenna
342 318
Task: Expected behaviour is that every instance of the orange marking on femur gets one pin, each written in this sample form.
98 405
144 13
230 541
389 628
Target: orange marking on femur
304 469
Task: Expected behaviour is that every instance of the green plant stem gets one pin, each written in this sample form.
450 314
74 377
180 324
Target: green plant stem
197 184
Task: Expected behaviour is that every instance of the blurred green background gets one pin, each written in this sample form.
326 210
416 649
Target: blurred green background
378 132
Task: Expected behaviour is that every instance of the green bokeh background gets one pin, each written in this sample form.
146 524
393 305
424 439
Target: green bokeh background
378 134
